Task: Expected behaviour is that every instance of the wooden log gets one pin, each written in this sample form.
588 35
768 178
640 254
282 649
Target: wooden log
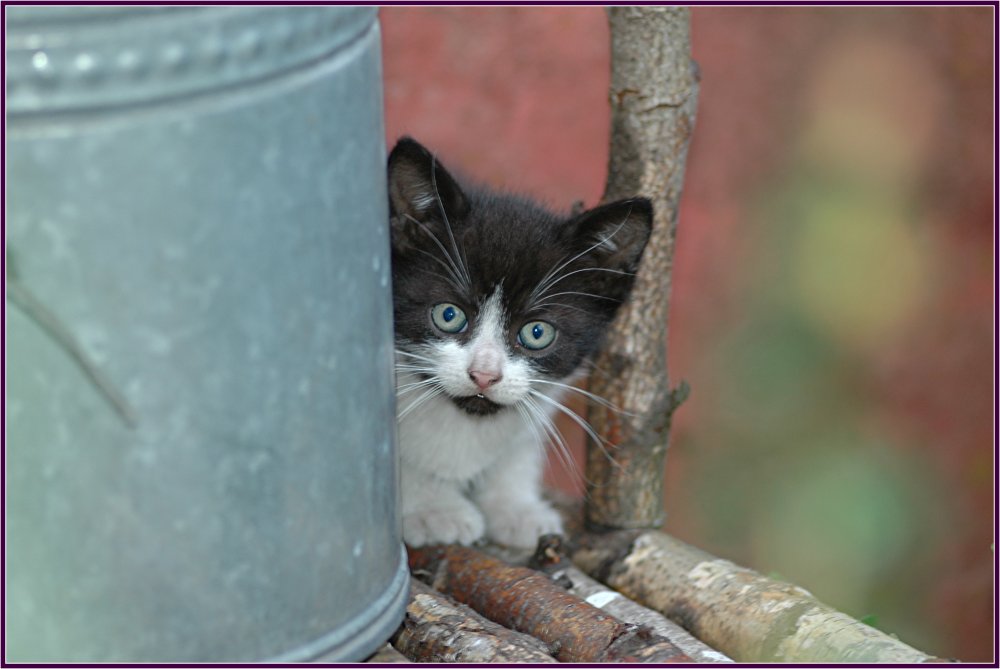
745 615
654 92
436 629
550 558
623 608
527 601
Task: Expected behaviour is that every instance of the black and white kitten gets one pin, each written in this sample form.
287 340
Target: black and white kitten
498 304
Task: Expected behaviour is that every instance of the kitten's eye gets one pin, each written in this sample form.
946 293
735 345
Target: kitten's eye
536 335
448 317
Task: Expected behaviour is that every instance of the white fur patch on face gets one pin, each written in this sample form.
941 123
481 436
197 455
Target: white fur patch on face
486 354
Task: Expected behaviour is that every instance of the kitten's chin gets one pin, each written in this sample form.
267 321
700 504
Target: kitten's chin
477 405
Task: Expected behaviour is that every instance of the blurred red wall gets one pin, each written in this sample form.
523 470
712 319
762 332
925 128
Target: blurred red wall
836 150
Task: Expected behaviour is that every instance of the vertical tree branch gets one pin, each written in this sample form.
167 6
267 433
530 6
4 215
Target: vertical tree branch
654 91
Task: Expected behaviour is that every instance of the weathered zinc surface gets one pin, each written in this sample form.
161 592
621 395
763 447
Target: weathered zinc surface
199 336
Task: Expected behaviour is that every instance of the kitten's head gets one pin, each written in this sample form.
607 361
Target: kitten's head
495 296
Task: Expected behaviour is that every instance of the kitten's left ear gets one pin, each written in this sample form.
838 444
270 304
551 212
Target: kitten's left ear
616 232
419 185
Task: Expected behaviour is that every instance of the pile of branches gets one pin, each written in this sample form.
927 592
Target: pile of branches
489 604
469 606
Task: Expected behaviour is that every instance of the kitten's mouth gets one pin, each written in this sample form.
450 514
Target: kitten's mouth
477 405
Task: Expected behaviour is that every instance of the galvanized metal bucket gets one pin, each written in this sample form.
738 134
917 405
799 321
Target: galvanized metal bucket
200 455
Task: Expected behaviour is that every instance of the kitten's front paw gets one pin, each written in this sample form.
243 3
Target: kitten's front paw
521 524
449 525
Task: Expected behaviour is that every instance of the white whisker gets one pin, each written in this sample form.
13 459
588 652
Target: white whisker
545 283
544 286
407 367
448 279
428 395
560 447
596 297
551 273
540 305
452 268
579 421
407 388
530 423
400 351
447 223
578 271
422 382
586 393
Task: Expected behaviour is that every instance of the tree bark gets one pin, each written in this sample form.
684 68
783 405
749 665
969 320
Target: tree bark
550 558
436 629
745 615
528 601
654 91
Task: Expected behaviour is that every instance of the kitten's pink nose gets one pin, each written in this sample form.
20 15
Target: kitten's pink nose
484 379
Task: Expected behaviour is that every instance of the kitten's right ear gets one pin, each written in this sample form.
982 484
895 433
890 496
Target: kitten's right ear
420 187
615 233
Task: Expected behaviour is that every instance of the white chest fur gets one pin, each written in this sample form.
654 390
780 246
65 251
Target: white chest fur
467 475
442 439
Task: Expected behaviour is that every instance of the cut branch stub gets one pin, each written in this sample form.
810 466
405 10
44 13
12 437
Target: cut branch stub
654 91
529 602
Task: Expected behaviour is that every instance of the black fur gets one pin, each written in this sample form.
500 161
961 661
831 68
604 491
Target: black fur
509 240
